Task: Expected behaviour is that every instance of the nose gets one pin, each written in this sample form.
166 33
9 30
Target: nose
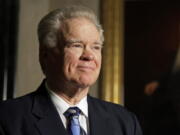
87 56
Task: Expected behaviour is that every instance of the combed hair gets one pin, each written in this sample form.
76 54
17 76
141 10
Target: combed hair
50 24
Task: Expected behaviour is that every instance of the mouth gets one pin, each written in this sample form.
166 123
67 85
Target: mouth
86 68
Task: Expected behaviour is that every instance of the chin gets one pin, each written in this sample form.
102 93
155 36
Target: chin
84 82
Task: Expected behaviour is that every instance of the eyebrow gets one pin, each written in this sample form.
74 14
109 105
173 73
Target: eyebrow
71 41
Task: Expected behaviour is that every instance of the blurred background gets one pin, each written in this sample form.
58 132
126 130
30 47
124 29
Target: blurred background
141 57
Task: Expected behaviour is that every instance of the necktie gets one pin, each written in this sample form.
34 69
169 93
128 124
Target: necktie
72 115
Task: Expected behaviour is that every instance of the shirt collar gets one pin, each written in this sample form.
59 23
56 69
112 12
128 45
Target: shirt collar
62 105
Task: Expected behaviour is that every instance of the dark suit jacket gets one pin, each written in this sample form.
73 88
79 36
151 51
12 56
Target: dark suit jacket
35 114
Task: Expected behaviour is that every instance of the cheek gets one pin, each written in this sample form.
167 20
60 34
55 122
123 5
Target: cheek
70 61
98 61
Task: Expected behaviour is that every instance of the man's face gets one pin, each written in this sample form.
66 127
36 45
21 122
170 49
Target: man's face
78 57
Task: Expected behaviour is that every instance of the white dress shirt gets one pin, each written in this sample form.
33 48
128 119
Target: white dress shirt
62 106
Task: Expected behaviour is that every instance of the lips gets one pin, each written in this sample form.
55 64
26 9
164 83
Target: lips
86 68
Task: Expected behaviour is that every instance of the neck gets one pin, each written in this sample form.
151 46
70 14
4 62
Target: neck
75 99
72 95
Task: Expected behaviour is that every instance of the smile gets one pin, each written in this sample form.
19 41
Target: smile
86 68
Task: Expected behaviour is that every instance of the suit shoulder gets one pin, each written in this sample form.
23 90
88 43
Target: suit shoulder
16 105
117 110
106 105
117 114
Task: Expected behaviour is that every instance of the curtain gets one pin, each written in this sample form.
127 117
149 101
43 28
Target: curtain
112 65
8 42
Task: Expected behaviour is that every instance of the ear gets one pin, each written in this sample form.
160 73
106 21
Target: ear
42 51
42 57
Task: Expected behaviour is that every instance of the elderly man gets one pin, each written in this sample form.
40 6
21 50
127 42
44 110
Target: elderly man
70 56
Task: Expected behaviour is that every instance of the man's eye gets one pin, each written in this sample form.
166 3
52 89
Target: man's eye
97 47
77 45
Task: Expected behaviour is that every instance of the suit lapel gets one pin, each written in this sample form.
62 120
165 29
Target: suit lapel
48 120
51 125
98 120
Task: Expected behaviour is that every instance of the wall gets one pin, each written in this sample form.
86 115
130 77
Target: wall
28 72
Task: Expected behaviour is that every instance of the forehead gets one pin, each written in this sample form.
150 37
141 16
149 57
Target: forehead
79 27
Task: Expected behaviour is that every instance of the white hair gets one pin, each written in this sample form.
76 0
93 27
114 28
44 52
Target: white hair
50 25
